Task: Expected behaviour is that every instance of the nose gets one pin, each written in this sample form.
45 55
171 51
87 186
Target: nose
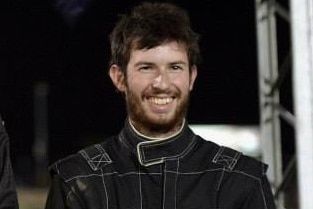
161 80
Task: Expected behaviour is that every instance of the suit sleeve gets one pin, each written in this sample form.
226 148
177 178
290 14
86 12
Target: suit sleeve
60 196
8 195
261 197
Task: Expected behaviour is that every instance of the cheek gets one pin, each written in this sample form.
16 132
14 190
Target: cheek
184 83
139 82
135 87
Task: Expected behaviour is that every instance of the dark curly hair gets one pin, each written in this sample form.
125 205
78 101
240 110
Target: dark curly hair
150 25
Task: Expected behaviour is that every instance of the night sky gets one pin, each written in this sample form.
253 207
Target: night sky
69 51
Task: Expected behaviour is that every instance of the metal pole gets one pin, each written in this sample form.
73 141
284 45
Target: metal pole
302 43
269 98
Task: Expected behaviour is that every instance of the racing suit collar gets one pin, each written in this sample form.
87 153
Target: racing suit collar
150 152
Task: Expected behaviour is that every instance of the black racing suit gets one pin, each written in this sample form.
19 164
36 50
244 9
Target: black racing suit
8 196
184 172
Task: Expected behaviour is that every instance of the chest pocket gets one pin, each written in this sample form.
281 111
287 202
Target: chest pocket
118 190
203 190
227 158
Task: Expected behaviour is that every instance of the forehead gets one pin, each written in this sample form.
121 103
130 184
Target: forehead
166 51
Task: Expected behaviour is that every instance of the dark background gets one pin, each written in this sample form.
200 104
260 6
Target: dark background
66 46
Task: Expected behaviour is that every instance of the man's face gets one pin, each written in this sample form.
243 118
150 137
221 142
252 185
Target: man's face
157 87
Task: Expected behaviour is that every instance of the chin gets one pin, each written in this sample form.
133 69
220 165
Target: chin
162 120
162 123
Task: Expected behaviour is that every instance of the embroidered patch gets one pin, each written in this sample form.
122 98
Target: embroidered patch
226 157
96 156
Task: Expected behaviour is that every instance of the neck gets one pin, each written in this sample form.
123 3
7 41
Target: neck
150 135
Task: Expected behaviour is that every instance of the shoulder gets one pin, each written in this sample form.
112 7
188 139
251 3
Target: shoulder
69 166
237 162
250 166
87 161
4 142
234 160
3 133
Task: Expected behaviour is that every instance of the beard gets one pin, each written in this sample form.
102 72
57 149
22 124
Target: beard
148 124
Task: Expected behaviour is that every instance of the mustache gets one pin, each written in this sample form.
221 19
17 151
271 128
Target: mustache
174 92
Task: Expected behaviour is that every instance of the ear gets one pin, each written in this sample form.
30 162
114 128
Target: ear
117 77
193 76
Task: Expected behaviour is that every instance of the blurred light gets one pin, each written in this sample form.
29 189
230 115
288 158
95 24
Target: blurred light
242 138
71 10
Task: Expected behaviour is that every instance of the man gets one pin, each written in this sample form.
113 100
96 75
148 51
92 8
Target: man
8 196
156 161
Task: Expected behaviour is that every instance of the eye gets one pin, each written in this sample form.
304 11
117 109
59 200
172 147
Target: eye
176 67
145 68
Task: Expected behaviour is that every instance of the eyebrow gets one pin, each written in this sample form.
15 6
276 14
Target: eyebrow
143 63
152 63
178 63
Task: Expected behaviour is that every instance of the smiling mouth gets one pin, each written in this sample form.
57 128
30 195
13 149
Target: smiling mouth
160 101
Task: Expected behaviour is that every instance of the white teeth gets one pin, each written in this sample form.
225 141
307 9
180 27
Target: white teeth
160 101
